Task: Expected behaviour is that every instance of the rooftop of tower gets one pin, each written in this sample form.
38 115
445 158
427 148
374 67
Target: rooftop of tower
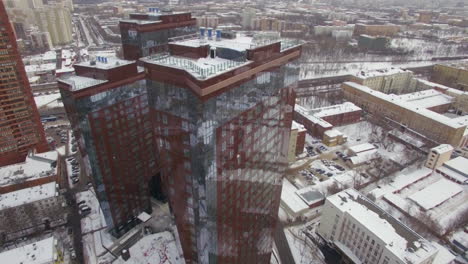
206 56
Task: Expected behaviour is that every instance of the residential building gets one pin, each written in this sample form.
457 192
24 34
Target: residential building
107 104
41 41
425 16
393 80
453 75
296 141
438 156
20 126
210 21
148 33
333 137
55 19
247 17
408 115
329 29
318 120
223 111
371 43
455 170
365 233
45 251
31 210
388 30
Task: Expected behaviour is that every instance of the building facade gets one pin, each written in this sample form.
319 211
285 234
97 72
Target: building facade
364 233
438 156
146 34
395 81
452 75
107 105
432 125
389 30
20 126
223 134
296 141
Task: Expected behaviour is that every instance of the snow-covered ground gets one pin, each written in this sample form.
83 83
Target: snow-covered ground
157 248
302 248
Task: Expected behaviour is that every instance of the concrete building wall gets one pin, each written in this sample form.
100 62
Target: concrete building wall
452 76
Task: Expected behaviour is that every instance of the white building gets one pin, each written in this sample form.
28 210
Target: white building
40 252
455 170
366 234
438 156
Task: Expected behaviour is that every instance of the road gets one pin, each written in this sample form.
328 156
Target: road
282 244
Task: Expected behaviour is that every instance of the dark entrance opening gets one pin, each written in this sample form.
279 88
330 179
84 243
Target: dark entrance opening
156 188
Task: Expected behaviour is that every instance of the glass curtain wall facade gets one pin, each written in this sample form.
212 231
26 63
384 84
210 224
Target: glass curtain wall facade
222 162
115 135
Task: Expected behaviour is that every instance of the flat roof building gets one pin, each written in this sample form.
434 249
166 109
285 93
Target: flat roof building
365 233
40 252
455 169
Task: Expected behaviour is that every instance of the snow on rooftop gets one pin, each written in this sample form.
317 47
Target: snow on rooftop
427 98
39 252
35 166
401 181
80 82
242 42
346 107
105 62
380 72
409 106
297 126
362 148
458 163
291 199
442 148
28 195
154 249
39 68
436 193
333 133
398 238
48 100
306 113
443 255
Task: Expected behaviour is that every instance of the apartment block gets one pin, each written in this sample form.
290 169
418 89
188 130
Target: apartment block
453 75
388 30
432 125
296 141
365 233
20 126
393 80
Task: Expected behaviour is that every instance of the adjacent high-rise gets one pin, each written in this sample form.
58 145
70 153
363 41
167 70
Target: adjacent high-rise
144 34
20 126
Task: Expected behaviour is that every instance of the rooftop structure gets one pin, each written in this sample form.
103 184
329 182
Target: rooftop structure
349 214
361 148
40 252
456 170
28 195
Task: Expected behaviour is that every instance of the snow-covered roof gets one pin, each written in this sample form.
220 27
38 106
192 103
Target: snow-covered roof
436 193
409 106
443 256
365 156
310 196
48 100
39 252
362 148
343 108
315 120
154 249
381 72
401 181
28 195
333 133
442 148
297 126
397 238
110 63
37 68
427 98
80 82
459 164
291 199
35 166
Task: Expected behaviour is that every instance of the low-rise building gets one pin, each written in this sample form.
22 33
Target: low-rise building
438 156
31 210
434 126
455 170
41 252
318 120
333 137
376 30
371 43
393 80
453 75
365 233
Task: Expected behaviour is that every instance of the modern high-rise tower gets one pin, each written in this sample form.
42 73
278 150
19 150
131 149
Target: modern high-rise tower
20 126
222 111
144 34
